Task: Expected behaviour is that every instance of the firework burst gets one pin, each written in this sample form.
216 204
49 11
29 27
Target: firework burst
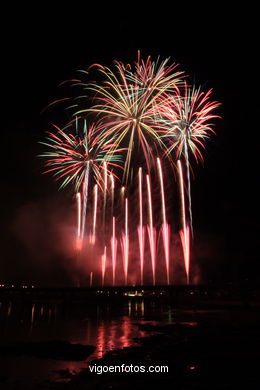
126 105
73 158
185 121
69 157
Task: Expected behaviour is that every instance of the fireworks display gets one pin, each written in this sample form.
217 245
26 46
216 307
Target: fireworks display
72 158
125 105
129 130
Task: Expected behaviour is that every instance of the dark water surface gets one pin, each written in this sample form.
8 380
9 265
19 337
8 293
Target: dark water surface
103 325
230 331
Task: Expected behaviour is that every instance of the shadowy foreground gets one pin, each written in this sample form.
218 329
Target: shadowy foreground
208 348
210 354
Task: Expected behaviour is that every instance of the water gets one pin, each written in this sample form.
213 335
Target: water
103 325
227 336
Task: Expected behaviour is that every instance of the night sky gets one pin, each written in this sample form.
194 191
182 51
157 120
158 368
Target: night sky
216 47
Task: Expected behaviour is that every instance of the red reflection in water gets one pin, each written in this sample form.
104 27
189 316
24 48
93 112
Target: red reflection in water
125 338
111 336
101 341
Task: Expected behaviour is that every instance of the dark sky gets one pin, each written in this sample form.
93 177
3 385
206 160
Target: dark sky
215 46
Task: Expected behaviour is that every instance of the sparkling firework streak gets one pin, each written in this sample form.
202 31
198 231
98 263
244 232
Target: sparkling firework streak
185 241
184 233
113 250
141 230
165 226
122 196
105 195
186 153
112 193
151 229
85 200
93 236
125 243
78 198
126 104
103 265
